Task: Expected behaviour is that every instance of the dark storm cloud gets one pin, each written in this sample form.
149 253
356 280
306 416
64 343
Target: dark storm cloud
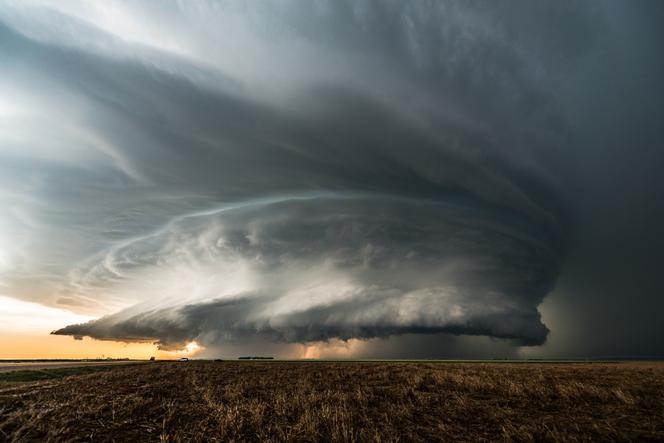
609 298
298 171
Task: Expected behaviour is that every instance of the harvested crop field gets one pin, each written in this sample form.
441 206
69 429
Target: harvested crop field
342 401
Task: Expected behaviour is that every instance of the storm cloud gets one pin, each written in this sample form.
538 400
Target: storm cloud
295 171
326 267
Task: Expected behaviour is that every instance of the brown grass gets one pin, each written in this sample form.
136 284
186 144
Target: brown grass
281 401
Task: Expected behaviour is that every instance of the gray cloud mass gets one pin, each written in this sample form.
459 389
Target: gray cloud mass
325 267
306 171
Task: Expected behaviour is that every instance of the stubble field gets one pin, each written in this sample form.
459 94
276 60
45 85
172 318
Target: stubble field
341 401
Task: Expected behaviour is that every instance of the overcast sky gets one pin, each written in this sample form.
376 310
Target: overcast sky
375 178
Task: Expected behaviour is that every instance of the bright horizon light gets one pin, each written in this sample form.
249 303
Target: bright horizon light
192 348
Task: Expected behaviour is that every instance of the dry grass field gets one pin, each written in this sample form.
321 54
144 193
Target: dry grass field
344 401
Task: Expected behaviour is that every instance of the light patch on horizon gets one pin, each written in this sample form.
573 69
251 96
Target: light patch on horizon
334 349
25 329
43 346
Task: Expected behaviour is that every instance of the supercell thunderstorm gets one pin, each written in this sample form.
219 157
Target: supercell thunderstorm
296 171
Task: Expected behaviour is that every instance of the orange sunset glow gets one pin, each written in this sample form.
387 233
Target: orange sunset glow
25 334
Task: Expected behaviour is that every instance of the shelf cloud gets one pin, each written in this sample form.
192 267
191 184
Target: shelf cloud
328 267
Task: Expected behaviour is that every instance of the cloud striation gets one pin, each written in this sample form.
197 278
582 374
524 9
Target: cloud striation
298 171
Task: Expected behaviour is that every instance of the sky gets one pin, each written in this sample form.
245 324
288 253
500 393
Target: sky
331 179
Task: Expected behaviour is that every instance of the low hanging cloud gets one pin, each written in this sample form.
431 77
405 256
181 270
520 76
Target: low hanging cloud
295 171
326 267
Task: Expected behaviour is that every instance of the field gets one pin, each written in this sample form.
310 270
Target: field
340 401
49 372
31 365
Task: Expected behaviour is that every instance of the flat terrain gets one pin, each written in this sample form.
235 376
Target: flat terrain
31 365
38 374
341 401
